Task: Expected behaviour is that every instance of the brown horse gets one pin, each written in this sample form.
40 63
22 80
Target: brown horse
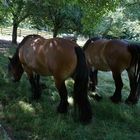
56 57
116 56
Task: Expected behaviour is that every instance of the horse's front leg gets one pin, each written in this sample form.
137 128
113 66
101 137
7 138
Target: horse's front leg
35 86
63 106
134 88
38 86
116 98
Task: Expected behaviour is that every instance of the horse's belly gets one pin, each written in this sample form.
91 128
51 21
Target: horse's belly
43 72
100 64
102 67
36 68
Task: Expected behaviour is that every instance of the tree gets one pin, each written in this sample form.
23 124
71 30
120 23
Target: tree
60 16
94 10
121 23
2 12
18 11
132 14
77 15
112 24
81 16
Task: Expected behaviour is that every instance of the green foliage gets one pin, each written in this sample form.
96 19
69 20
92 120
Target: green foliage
59 16
88 17
94 11
120 24
132 14
16 9
3 13
112 24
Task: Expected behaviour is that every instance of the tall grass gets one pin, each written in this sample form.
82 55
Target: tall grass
40 121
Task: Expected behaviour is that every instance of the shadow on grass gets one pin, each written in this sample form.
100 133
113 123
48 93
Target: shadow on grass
40 121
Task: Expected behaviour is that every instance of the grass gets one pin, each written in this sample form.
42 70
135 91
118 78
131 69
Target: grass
40 121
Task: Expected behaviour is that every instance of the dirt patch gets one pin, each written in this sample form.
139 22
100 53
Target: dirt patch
4 45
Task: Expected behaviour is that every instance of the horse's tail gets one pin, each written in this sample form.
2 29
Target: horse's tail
81 87
134 49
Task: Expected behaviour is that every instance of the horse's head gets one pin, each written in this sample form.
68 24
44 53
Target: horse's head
15 69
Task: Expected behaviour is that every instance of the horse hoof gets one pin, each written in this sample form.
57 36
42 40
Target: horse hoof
62 108
43 86
115 100
98 97
95 96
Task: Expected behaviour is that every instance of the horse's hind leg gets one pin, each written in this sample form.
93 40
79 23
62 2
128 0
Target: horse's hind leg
93 83
93 79
116 98
63 106
132 98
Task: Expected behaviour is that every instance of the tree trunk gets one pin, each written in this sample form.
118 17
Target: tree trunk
55 31
14 33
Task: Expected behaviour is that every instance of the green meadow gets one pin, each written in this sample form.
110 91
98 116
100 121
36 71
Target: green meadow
26 120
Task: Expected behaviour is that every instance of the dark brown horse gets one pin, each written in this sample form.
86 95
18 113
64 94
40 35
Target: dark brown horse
56 57
116 56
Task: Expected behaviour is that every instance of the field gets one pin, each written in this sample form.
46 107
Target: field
25 120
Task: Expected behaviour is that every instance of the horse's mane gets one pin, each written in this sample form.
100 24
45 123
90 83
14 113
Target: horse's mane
90 41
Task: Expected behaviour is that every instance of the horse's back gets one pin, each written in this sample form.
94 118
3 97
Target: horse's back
61 54
94 55
106 55
117 55
48 56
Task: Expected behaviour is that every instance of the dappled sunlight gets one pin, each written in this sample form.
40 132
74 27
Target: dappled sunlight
70 100
26 107
126 115
70 81
54 95
91 93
